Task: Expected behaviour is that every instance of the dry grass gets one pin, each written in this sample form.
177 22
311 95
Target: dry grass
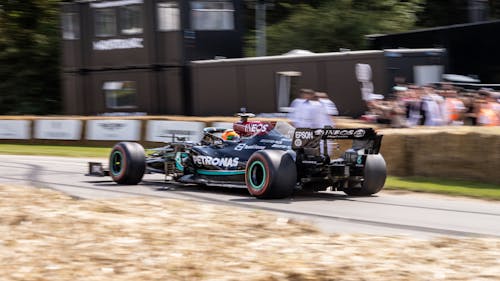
49 236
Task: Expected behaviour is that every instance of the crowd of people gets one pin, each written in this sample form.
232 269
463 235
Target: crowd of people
431 105
408 106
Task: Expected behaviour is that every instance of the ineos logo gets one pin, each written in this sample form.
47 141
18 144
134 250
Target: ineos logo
253 128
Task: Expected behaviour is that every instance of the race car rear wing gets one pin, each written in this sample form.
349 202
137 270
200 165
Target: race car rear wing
365 138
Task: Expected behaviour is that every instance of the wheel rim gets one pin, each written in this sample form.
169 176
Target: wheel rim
116 163
257 175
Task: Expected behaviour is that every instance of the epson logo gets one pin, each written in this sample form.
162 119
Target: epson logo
304 135
215 161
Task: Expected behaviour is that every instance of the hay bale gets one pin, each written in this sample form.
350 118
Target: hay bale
467 153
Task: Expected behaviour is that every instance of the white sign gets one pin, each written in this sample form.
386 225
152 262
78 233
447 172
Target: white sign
364 75
58 129
15 129
225 125
363 72
426 74
126 130
115 3
168 131
113 44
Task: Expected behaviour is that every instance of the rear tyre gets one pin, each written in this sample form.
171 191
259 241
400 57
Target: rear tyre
271 174
375 173
127 163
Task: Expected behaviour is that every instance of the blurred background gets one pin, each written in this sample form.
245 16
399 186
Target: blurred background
95 57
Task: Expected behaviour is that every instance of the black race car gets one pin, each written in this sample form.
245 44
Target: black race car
270 159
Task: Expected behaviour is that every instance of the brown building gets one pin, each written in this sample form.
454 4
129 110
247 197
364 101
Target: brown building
268 84
131 55
184 57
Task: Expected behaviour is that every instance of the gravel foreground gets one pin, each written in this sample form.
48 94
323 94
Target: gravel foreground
47 235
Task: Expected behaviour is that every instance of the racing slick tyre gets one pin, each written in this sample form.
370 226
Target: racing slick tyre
271 174
375 173
127 163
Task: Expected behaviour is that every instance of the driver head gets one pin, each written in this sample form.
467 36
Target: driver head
230 135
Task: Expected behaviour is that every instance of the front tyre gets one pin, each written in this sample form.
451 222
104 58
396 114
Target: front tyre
375 173
271 174
127 163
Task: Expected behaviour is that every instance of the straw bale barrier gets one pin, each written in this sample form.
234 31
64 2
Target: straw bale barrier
468 153
49 236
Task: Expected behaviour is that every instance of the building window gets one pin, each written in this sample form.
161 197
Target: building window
131 19
70 26
120 94
168 16
212 15
105 22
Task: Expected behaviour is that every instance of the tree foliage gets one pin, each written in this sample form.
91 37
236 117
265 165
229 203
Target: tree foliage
29 57
442 13
339 24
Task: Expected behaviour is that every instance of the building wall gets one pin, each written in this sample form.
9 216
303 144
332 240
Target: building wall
157 91
72 88
155 59
223 87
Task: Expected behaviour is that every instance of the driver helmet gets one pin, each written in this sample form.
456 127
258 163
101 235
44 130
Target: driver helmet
230 135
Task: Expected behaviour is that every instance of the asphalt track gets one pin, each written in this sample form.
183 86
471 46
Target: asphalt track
387 213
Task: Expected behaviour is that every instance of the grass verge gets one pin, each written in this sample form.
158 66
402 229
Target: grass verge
444 186
430 185
55 150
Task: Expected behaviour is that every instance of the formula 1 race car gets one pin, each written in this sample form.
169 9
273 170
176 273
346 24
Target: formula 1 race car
270 159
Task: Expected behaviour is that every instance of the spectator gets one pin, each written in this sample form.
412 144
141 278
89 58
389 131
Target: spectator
294 115
413 103
454 106
330 108
309 112
399 108
431 108
489 110
469 100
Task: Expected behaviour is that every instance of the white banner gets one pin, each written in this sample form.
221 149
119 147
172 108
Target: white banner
168 131
225 125
120 130
115 3
15 129
58 129
113 44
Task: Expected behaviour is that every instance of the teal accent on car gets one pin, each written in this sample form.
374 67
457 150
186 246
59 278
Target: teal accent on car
220 172
178 160
116 163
